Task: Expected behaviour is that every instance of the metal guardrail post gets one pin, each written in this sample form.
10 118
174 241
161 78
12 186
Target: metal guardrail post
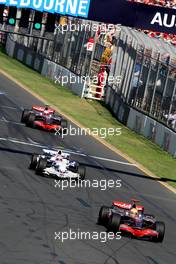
155 87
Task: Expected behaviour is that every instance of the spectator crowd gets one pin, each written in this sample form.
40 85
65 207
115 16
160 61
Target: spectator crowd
169 38
164 3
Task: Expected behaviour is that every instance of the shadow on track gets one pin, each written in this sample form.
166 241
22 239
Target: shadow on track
162 179
16 151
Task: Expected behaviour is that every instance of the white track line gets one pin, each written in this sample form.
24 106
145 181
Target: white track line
8 107
100 158
32 141
13 140
2 93
21 142
3 119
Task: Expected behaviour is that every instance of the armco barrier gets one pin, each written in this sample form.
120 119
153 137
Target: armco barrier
140 123
107 96
60 74
116 106
10 46
159 133
46 67
28 57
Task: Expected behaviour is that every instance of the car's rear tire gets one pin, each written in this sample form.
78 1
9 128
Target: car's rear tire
34 161
25 115
160 228
42 163
31 119
103 216
114 223
82 172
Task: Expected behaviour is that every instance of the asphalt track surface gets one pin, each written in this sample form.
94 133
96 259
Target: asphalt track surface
32 209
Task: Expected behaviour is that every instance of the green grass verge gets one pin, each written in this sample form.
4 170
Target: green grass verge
93 114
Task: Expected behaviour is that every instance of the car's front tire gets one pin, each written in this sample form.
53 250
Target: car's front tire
82 172
160 228
64 125
114 223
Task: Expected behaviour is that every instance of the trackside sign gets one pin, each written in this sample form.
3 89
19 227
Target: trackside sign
132 14
78 8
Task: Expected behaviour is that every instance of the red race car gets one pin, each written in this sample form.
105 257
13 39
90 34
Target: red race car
130 220
43 117
48 124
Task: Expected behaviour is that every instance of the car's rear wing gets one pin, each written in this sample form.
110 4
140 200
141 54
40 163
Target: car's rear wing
42 109
127 206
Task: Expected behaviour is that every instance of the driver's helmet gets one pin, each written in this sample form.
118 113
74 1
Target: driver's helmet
133 212
46 110
59 156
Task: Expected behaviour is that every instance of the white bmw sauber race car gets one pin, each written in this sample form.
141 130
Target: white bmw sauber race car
50 155
57 164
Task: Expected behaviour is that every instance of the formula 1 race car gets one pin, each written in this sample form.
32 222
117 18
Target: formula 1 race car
57 164
130 220
50 156
43 118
